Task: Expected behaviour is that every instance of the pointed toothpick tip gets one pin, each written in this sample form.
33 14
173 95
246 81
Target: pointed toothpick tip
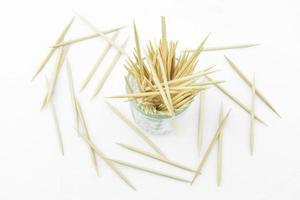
120 144
43 106
81 89
93 97
255 44
278 114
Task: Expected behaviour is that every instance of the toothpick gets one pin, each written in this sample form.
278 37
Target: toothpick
248 82
164 32
109 70
56 123
52 84
184 102
128 84
135 129
252 116
220 149
229 47
51 51
200 121
98 62
150 155
152 171
84 38
72 92
210 148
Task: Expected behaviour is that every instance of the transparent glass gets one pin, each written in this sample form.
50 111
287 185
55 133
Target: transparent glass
151 123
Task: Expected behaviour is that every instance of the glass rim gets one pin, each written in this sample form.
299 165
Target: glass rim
156 116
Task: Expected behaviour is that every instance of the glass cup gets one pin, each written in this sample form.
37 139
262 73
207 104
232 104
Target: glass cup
152 123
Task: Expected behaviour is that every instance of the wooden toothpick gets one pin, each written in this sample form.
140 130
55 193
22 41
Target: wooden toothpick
72 92
88 37
152 171
150 155
210 147
56 71
220 149
228 47
51 51
253 90
56 123
200 121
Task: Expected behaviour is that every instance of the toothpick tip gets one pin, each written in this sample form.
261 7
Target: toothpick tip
93 97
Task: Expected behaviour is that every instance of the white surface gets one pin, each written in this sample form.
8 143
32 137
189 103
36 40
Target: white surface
31 165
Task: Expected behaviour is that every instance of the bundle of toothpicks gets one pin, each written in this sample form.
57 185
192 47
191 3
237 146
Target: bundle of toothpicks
166 81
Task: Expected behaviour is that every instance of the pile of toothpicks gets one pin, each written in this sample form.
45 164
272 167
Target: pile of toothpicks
167 83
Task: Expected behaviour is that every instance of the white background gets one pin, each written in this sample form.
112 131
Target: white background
31 166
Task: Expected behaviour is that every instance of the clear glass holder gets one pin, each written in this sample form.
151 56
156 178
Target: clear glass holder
155 124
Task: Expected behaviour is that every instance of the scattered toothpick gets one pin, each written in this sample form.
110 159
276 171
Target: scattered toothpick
52 50
220 149
88 37
72 92
152 171
56 123
252 116
200 121
55 73
150 155
229 47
